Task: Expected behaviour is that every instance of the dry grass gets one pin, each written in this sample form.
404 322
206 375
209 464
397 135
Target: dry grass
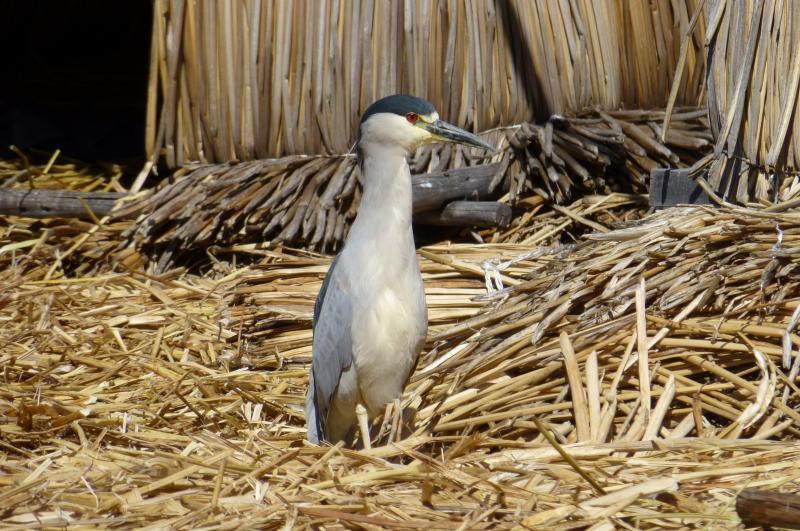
654 356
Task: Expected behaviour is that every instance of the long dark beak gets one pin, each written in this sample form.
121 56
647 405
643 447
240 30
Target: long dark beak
450 133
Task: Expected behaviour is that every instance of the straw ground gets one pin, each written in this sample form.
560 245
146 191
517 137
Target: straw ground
637 377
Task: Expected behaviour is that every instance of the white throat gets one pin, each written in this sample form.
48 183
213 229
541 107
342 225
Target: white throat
385 206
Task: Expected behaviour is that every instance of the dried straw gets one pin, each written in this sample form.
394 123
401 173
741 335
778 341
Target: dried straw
137 400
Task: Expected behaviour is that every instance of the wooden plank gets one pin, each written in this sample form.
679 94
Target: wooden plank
768 509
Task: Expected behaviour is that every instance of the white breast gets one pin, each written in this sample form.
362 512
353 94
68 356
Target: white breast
388 332
390 319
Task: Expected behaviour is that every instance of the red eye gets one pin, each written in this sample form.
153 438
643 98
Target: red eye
412 118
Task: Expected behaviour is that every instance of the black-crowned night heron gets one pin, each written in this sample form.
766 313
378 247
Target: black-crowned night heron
370 317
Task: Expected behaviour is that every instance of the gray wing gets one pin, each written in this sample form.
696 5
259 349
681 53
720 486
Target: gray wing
322 291
332 349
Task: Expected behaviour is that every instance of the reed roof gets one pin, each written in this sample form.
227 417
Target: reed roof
251 80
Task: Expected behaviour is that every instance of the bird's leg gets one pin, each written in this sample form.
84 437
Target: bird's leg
387 422
363 425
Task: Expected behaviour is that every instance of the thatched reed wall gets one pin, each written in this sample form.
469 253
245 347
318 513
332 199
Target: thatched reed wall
753 79
258 79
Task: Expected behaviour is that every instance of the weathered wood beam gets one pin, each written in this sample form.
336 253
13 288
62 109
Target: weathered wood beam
56 203
768 509
483 214
430 191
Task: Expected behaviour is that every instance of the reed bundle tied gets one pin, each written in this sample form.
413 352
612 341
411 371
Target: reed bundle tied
311 201
247 80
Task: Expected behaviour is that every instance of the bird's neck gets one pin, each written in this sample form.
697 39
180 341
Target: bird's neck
385 208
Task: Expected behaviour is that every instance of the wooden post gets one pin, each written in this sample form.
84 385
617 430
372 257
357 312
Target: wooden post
769 509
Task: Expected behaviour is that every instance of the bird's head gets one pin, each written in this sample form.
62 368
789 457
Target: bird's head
404 123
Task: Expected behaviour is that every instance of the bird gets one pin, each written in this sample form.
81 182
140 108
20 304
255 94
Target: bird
370 318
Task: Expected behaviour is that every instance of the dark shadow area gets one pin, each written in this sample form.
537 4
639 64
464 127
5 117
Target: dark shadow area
523 61
75 77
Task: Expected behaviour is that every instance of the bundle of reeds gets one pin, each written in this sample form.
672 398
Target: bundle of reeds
702 302
636 379
257 79
311 201
753 83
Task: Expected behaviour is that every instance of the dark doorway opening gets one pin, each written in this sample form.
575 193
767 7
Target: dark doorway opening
74 77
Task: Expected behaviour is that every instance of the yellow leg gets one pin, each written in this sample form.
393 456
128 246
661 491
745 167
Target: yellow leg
363 425
396 430
386 425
